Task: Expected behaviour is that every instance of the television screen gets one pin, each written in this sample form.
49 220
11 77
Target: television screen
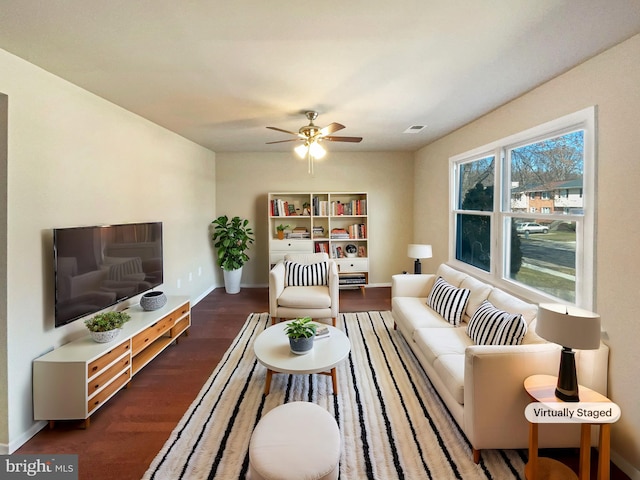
99 266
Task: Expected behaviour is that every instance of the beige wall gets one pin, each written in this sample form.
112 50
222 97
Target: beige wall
611 82
76 159
245 179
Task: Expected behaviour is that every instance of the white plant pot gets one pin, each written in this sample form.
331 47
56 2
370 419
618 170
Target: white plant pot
104 337
232 280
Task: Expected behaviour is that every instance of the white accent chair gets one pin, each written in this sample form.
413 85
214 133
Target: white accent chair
318 302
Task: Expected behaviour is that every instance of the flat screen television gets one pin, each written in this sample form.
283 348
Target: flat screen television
99 266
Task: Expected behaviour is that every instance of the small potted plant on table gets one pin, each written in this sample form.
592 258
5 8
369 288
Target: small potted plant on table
301 333
106 326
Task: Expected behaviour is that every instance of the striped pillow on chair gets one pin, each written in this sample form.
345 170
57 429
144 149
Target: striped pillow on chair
490 326
299 275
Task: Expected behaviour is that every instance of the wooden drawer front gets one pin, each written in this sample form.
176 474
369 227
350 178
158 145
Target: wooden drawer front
100 397
352 265
183 310
291 246
100 363
181 326
150 334
102 379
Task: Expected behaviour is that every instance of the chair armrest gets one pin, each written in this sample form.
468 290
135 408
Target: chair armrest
334 288
407 285
276 286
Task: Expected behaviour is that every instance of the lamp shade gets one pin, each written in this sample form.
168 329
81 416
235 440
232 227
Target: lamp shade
568 326
419 251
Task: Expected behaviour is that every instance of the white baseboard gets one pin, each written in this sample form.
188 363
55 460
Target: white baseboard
22 439
626 467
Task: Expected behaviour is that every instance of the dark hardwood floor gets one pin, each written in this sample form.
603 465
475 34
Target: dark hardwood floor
127 433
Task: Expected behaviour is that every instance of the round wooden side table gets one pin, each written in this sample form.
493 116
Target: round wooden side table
541 388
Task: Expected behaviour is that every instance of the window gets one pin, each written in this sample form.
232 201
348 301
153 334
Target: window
522 211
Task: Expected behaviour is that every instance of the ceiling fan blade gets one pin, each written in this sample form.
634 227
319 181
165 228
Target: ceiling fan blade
284 131
343 139
331 128
283 141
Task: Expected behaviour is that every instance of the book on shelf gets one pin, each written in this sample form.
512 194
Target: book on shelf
352 278
298 235
322 247
354 207
339 233
281 208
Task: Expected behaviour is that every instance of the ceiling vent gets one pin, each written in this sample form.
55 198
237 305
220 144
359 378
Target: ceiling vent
415 129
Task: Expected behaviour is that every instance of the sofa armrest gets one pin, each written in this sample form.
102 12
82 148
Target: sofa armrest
407 285
276 286
494 394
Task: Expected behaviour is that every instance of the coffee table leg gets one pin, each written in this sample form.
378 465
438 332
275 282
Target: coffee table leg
267 385
334 379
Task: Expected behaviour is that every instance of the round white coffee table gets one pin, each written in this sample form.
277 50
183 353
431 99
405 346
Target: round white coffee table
272 350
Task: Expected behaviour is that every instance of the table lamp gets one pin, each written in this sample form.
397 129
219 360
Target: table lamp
570 327
418 251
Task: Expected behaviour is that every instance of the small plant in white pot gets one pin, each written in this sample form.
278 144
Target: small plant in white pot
301 333
106 326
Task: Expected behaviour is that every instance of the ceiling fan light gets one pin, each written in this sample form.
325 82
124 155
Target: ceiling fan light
301 150
316 150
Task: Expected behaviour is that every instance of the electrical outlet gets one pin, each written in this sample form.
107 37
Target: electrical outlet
199 271
179 283
190 277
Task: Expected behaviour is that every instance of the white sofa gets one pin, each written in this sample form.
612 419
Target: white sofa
482 385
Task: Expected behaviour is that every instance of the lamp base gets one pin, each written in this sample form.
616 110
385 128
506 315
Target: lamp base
417 267
567 388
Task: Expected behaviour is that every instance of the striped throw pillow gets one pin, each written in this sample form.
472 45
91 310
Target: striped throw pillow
300 275
490 326
448 301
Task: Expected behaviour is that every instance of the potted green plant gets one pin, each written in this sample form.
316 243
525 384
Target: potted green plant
281 228
232 237
301 333
106 326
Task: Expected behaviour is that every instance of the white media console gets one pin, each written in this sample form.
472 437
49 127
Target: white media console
73 381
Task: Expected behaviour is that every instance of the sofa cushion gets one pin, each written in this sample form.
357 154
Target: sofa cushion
479 293
450 369
509 303
448 301
435 342
412 312
451 275
490 326
305 297
300 275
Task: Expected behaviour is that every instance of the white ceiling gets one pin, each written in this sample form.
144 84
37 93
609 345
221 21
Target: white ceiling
218 72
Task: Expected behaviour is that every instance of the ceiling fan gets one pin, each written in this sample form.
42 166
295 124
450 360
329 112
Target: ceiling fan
312 135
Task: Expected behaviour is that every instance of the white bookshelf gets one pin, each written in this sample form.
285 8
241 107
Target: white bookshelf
333 222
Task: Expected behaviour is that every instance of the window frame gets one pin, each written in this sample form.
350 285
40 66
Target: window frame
501 215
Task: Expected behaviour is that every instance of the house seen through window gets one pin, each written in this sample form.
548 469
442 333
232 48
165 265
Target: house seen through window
522 210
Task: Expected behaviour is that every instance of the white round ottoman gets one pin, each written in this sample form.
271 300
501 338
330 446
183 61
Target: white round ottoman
295 441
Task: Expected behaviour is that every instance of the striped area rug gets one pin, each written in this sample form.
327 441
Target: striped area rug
393 424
